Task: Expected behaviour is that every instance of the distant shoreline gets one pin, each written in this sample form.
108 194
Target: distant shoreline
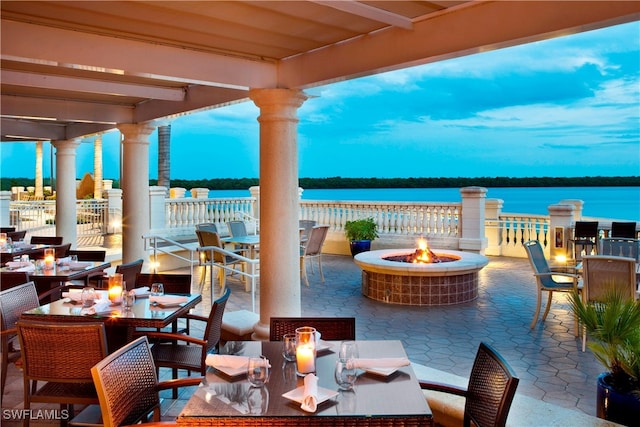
339 182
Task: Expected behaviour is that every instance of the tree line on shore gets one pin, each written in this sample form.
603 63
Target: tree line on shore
426 182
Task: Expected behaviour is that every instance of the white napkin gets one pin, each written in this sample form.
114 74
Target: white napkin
79 265
167 299
18 264
141 291
73 296
64 260
226 361
100 306
310 393
27 268
389 362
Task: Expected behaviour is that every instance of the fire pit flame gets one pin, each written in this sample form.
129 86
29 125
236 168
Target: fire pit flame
423 255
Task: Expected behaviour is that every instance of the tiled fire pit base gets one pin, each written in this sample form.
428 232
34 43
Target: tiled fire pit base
445 283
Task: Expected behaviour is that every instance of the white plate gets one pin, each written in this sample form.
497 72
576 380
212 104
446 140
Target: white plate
297 394
383 372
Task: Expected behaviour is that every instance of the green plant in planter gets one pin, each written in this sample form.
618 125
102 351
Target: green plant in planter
360 233
613 325
361 229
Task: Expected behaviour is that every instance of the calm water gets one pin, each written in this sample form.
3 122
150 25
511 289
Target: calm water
604 202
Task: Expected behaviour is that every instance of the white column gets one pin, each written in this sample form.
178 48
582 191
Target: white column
493 228
66 215
279 247
560 226
5 201
255 193
39 189
157 221
135 189
473 211
97 168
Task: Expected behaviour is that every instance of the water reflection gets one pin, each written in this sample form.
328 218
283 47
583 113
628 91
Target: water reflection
346 402
258 400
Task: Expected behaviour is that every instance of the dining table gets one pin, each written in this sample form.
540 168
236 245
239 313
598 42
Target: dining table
251 241
17 249
387 397
120 322
46 279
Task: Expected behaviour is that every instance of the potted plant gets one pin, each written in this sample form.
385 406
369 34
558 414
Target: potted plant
613 325
360 233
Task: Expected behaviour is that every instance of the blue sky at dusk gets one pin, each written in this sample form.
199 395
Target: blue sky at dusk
567 106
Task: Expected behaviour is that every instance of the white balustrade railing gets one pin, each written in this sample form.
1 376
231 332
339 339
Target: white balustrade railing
427 219
185 213
40 215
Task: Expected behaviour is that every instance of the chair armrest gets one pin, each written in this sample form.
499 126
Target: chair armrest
191 316
554 273
445 388
172 337
180 382
10 331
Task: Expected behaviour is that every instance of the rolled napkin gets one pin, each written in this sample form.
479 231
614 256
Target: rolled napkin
17 264
310 393
167 299
388 362
100 306
141 291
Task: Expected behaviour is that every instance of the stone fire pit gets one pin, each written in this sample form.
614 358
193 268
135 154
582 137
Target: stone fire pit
444 283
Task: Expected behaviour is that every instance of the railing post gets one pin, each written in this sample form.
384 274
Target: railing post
577 207
560 223
5 200
255 193
157 220
177 192
473 213
200 193
493 230
114 207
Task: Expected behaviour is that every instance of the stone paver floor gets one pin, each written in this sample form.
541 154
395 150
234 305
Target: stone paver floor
548 359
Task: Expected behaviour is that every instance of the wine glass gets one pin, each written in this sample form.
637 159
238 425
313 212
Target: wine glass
348 350
258 371
157 289
88 297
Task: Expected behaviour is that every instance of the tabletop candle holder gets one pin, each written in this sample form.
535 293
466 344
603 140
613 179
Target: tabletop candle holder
3 240
115 289
49 258
305 350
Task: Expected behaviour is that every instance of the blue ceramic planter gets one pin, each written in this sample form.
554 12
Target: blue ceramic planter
612 405
358 246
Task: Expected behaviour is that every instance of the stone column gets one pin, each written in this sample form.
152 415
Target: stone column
97 168
114 203
255 193
164 156
473 211
135 189
200 193
577 207
157 221
279 245
66 212
560 226
493 228
39 192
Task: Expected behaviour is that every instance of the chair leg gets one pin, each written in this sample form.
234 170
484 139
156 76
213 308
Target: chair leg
303 271
320 268
535 316
546 310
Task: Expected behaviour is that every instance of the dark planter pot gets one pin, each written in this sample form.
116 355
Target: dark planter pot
358 246
612 405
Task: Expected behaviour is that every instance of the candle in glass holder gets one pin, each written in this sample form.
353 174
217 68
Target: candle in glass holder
115 290
3 240
305 350
49 258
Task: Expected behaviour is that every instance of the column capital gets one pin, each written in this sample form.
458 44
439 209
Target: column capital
66 144
137 133
272 101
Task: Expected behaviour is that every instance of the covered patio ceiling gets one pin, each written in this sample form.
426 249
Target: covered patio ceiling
75 68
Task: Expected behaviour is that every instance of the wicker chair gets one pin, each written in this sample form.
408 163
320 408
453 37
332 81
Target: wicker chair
546 280
179 351
46 240
128 387
62 251
331 328
86 255
60 355
16 236
602 273
210 258
13 302
488 397
313 249
305 225
129 273
9 279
